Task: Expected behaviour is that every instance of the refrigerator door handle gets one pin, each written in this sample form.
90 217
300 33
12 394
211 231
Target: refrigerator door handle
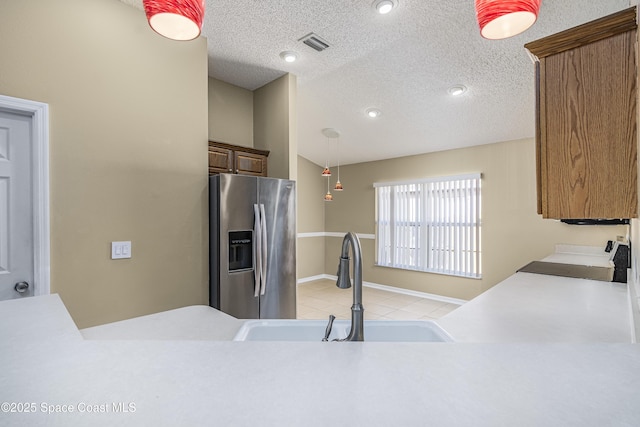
257 249
263 270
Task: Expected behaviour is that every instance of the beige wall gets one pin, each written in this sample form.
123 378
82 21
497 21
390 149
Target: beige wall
512 233
128 143
310 199
230 113
311 249
264 119
274 124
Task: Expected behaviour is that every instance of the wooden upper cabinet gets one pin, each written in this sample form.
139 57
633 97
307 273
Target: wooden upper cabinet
250 163
220 160
227 158
586 120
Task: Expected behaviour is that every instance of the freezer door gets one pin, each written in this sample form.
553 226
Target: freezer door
278 198
238 194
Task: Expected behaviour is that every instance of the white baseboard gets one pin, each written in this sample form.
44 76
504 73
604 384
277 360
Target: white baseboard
314 278
402 291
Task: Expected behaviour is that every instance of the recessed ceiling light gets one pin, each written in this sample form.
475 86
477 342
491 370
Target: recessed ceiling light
384 6
457 90
373 113
289 56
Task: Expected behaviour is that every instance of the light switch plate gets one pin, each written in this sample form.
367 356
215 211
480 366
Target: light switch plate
120 250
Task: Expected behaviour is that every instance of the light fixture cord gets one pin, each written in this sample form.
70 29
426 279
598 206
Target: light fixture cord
338 151
326 159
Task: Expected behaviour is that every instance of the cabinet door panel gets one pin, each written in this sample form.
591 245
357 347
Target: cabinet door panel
250 164
589 131
220 160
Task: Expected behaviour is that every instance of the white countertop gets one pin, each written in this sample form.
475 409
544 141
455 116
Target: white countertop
529 307
581 255
197 322
595 261
320 384
36 319
225 383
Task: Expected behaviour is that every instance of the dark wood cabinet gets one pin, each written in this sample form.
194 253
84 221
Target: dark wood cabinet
586 120
220 160
227 158
248 163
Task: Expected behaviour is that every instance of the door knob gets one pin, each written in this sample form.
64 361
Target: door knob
21 287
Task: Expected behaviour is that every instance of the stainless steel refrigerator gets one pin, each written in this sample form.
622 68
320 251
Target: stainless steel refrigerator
252 246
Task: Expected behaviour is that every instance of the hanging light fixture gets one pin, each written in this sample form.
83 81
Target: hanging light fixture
326 171
338 186
328 133
500 19
328 197
175 19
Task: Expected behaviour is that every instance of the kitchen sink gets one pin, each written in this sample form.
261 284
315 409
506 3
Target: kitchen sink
314 330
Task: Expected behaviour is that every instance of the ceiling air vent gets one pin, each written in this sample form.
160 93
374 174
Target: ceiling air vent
314 41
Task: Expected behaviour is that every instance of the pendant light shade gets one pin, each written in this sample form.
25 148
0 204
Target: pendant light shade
500 19
175 19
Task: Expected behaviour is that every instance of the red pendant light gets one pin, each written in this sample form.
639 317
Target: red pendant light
500 19
175 19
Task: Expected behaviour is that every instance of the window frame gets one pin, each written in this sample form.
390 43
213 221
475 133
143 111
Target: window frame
458 239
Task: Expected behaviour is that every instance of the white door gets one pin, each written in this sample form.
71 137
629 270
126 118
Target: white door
16 210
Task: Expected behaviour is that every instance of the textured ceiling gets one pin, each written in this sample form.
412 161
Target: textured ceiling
401 63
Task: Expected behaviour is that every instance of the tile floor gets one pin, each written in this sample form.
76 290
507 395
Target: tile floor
320 298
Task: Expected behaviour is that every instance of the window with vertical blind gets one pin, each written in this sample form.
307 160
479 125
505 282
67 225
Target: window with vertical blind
430 224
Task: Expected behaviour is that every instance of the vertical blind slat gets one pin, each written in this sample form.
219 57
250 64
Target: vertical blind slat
459 240
436 230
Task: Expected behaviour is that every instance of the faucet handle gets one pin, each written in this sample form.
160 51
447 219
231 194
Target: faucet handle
327 331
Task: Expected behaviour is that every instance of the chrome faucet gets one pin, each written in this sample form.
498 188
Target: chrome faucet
344 282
